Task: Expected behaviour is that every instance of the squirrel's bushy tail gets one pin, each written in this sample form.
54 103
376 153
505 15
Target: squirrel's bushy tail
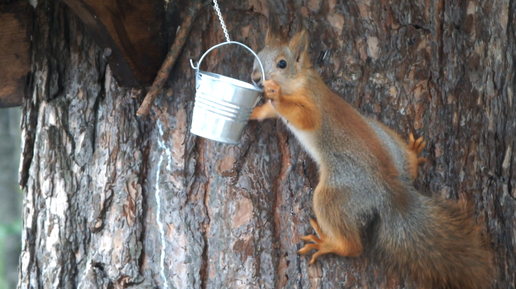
435 243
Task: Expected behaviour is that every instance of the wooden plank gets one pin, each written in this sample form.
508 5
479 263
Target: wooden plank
15 30
130 32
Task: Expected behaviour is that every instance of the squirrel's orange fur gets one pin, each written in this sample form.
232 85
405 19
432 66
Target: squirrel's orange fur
366 179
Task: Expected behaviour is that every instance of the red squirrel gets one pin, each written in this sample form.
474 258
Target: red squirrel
366 175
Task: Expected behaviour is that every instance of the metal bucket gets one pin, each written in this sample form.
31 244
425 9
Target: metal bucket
223 104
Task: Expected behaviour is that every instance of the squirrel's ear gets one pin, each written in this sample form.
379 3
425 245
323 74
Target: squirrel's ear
274 31
299 45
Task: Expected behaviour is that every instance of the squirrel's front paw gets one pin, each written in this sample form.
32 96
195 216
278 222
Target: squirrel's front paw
259 113
265 111
272 90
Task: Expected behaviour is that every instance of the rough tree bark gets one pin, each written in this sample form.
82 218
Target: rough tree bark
108 195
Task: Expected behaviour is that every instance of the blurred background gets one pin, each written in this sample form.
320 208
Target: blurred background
10 196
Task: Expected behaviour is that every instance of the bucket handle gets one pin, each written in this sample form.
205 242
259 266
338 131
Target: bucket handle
221 44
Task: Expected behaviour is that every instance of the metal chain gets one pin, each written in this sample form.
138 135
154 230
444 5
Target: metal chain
217 9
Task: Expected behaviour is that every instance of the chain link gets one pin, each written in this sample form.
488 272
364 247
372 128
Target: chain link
217 9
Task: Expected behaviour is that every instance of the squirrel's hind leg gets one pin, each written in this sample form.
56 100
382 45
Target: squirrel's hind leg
329 244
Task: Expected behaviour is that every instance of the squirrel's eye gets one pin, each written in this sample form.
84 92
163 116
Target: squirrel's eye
282 64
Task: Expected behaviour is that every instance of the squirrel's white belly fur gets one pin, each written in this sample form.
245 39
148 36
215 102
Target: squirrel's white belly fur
307 139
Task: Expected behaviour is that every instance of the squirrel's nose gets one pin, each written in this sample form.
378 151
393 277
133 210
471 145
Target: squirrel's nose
258 82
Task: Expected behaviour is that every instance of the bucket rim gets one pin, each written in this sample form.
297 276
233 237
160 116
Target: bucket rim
230 80
197 68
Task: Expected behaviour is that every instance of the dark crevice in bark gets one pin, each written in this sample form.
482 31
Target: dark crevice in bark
189 155
440 40
204 266
29 124
241 159
307 175
509 174
29 107
204 276
65 124
200 172
96 105
144 147
258 237
276 190
57 37
417 27
199 175
511 34
74 271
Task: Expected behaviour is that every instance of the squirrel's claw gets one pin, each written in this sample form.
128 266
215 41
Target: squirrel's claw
325 245
316 245
311 238
311 246
307 248
417 147
414 148
315 256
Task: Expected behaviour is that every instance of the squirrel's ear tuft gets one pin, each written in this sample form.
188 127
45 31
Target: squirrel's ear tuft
274 31
299 21
299 45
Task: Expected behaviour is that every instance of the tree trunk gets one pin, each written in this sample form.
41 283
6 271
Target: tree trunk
113 201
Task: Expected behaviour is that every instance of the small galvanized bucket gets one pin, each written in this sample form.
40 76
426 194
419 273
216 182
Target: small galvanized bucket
223 104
